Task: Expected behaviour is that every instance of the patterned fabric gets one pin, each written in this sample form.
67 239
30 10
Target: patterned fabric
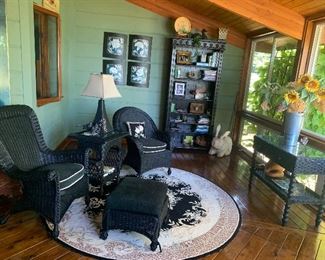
202 218
136 129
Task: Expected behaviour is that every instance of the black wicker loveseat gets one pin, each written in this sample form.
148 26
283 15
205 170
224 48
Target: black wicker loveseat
147 152
51 180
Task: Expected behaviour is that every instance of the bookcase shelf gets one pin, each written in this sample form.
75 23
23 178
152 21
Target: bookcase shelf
192 92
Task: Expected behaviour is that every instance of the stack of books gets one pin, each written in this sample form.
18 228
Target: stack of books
210 75
202 129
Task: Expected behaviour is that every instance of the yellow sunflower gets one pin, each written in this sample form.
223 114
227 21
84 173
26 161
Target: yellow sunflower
303 79
312 85
292 96
321 94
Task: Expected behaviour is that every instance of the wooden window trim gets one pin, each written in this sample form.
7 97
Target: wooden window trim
44 101
307 42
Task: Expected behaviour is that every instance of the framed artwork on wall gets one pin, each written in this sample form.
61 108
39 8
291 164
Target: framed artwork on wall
138 74
179 88
114 45
116 69
140 47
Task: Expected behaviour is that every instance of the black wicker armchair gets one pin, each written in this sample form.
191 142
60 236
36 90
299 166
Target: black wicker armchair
143 153
51 180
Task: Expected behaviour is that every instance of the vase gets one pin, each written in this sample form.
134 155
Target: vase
291 127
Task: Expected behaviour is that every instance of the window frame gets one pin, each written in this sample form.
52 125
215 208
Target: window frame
58 97
304 50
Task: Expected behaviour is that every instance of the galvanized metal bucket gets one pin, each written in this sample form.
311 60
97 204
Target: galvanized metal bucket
291 127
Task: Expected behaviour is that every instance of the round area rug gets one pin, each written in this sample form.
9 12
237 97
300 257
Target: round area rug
202 219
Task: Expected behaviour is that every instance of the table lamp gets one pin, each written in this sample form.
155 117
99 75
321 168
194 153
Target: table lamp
101 86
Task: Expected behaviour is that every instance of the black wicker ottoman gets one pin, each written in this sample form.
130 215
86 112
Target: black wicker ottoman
136 205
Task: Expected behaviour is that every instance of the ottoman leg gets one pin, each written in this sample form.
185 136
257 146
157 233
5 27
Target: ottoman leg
154 244
103 234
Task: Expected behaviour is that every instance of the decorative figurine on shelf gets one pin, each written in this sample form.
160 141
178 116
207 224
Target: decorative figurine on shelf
221 145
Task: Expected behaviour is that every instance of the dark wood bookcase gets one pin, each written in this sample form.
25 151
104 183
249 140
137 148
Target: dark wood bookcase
194 81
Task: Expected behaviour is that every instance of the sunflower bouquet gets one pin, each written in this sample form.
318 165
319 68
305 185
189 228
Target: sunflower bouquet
295 96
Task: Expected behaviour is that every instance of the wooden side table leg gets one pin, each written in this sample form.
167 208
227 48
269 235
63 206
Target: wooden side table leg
287 206
319 215
320 208
285 214
253 166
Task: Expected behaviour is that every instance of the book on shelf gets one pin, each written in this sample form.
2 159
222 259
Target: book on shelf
202 64
209 75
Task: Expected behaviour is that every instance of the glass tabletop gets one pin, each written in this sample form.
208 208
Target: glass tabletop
277 140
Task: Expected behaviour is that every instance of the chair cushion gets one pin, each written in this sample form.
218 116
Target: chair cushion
151 145
139 196
136 129
69 173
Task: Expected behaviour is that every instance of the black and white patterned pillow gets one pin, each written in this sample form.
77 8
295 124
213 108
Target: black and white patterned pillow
136 129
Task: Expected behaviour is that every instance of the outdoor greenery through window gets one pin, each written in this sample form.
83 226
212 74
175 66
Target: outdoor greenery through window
272 60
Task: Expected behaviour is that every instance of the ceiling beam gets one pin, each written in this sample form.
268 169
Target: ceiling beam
172 10
268 13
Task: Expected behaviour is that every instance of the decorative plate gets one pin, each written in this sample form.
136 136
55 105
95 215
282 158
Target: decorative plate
182 26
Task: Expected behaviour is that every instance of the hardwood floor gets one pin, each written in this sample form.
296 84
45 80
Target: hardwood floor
260 236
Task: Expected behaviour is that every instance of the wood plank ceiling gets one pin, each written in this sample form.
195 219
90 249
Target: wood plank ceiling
242 19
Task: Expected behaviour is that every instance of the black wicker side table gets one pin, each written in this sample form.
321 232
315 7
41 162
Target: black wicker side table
137 205
105 163
296 160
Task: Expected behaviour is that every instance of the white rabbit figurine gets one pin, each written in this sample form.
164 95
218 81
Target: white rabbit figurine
221 146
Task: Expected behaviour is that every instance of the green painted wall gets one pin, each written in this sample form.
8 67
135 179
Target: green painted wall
91 20
83 25
53 117
4 71
229 87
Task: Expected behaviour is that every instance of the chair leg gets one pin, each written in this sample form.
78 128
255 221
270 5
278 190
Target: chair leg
169 171
55 232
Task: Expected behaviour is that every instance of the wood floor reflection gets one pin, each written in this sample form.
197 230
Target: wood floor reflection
260 236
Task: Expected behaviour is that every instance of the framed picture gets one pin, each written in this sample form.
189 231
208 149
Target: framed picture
138 74
197 108
114 45
183 57
116 69
140 47
179 88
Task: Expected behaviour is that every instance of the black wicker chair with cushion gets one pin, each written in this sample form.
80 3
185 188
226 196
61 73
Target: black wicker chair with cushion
148 148
51 180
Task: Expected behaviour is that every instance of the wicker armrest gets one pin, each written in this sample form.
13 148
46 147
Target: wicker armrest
73 156
34 175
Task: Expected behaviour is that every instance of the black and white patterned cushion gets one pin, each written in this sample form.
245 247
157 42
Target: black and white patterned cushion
136 129
150 145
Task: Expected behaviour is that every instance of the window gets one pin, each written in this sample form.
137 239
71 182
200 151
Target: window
272 60
47 55
315 120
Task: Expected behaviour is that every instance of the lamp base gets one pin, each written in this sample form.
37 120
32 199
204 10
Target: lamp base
100 125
